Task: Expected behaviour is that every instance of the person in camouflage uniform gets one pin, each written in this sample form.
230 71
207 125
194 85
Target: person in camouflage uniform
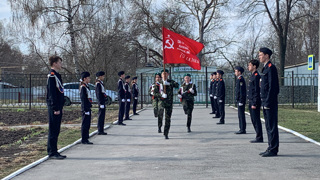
186 94
155 88
166 94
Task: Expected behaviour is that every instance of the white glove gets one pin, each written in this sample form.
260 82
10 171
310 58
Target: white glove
211 95
151 93
87 113
240 104
214 97
123 100
128 100
264 107
135 97
179 96
191 90
164 96
102 106
220 101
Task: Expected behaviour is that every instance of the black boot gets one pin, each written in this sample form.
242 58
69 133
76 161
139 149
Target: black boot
159 130
189 130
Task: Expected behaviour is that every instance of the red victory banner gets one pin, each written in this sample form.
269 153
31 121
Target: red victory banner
178 49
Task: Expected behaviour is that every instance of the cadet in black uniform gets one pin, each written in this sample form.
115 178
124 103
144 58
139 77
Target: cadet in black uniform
186 94
101 98
211 91
86 104
135 93
55 101
215 98
241 95
128 97
255 100
221 93
121 98
269 98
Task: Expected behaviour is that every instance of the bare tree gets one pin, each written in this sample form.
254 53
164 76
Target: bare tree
279 14
207 15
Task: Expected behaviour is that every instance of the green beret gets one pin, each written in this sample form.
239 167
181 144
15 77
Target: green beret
166 70
187 74
157 74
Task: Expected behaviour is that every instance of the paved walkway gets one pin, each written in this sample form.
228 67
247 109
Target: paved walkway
138 151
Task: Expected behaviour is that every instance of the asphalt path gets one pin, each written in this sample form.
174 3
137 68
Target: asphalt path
210 151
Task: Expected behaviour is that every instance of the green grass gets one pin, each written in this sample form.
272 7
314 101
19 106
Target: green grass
304 121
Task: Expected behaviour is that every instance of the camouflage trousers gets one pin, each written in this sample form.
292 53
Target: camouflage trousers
156 103
168 112
188 108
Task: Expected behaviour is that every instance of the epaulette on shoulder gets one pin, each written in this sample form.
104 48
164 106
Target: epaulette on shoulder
52 73
239 77
256 74
220 79
269 65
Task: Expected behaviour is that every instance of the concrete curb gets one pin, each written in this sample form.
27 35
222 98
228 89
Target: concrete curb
289 131
34 164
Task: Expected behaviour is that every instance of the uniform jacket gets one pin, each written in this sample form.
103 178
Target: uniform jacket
214 89
184 91
211 86
169 91
121 90
55 95
241 92
221 89
127 91
156 89
135 90
269 85
100 93
86 98
254 89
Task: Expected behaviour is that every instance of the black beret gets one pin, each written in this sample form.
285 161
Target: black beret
187 74
166 70
120 73
265 50
100 73
134 78
127 77
214 73
220 72
155 74
84 75
239 69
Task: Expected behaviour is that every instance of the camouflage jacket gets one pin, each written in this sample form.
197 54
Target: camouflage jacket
155 90
184 91
169 91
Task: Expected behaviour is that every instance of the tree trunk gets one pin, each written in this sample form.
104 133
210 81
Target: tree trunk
282 56
73 41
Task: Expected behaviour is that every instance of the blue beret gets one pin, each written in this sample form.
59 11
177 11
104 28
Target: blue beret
120 73
265 50
220 72
100 73
239 69
127 77
84 75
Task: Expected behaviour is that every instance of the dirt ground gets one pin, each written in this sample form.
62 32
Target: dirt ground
21 146
15 117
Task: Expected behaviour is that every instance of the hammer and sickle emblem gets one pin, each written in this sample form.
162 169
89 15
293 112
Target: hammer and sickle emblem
169 43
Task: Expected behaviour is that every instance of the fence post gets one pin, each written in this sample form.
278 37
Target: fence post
141 87
30 92
206 87
292 89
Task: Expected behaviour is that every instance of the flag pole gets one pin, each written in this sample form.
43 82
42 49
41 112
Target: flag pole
164 65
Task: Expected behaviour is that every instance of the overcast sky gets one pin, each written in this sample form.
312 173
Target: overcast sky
5 12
